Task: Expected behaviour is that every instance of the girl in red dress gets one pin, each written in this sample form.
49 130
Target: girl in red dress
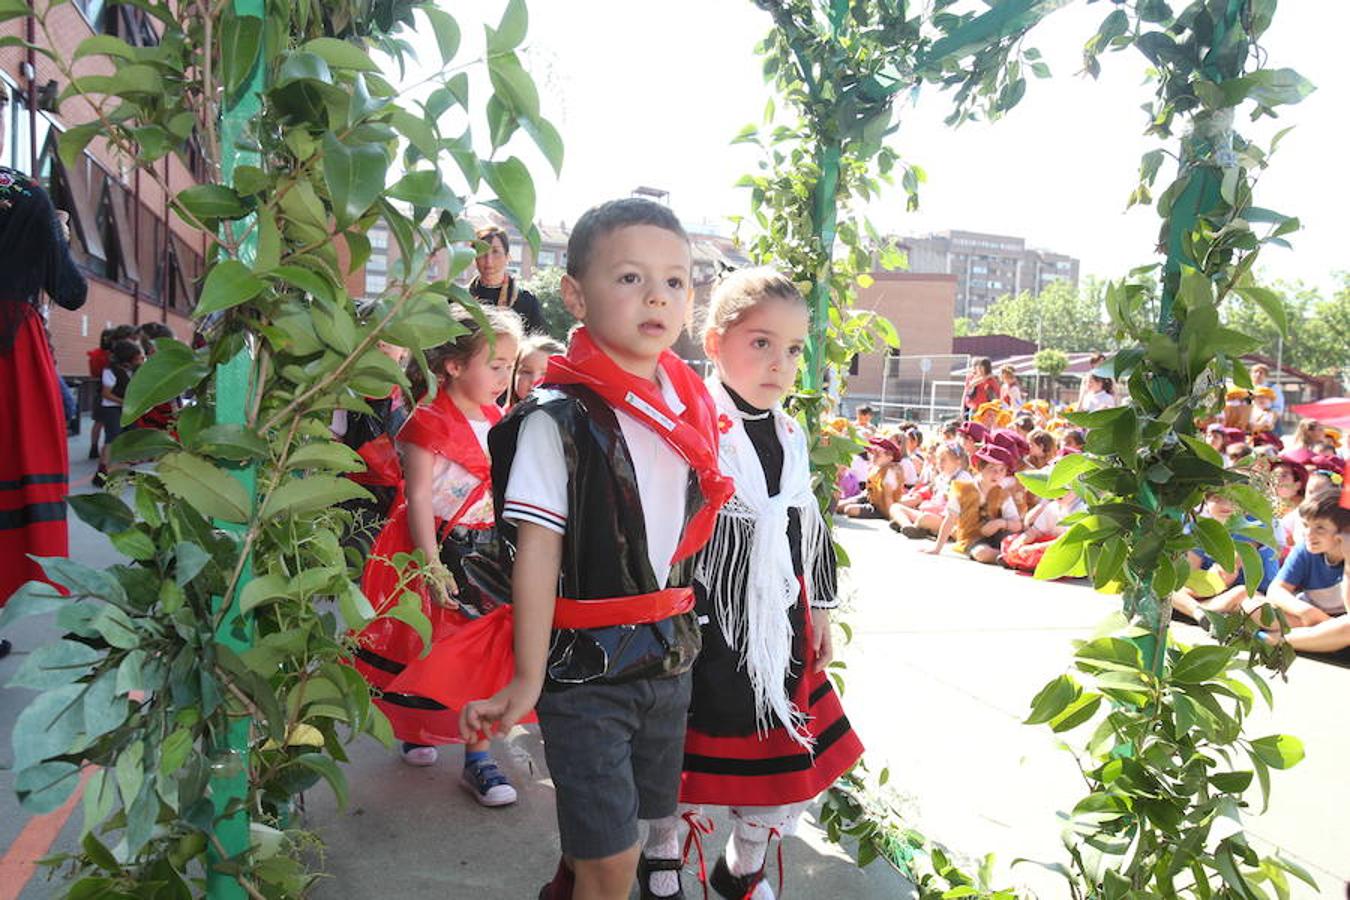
446 513
766 731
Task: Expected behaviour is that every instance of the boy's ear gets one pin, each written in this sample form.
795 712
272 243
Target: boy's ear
573 299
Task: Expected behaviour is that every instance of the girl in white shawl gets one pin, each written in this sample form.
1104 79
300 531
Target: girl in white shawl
766 731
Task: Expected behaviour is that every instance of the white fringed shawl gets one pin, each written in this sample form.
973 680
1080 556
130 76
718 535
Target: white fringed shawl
747 566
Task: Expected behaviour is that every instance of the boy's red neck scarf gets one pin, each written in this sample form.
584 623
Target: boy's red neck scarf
692 434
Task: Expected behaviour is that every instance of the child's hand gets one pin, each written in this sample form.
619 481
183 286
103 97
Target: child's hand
935 550
992 527
498 714
822 639
441 585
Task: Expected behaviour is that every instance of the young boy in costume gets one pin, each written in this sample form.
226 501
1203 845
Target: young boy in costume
608 483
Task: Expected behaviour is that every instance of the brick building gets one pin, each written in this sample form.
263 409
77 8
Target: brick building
987 266
920 307
142 264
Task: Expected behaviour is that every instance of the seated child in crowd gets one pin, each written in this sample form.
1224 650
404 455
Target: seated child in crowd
885 483
981 513
1075 439
1211 588
920 515
1290 481
1041 527
1042 449
1310 587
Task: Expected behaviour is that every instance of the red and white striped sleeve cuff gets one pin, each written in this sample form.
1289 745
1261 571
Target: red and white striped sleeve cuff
520 511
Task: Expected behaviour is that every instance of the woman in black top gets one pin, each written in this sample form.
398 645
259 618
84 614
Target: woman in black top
494 285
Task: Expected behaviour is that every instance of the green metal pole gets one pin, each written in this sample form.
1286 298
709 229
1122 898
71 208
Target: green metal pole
229 783
826 216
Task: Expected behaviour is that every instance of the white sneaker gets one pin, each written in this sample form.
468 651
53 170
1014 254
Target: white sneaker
420 756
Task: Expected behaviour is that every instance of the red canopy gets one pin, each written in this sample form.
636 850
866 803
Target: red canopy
1334 411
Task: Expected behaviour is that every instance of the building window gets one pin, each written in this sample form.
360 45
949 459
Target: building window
979 269
378 262
379 238
547 258
376 284
95 11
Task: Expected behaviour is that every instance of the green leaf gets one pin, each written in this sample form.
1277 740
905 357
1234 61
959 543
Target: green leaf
135 543
1111 653
1070 468
49 726
104 710
174 751
1076 713
240 40
340 54
354 175
330 771
143 444
513 84
1253 567
263 589
103 512
212 201
307 280
209 490
425 188
33 598
547 139
510 32
1053 699
172 370
81 579
445 28
409 611
1279 751
71 142
100 794
53 664
1255 503
44 787
1217 542
511 182
230 441
228 284
1200 664
330 455
1061 558
303 495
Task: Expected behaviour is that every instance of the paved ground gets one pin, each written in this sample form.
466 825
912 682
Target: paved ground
946 656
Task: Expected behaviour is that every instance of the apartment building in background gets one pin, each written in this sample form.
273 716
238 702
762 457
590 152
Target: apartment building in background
142 263
987 266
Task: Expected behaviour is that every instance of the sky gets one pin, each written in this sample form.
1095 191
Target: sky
651 93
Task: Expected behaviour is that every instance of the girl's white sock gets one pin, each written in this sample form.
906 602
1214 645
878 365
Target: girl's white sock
663 842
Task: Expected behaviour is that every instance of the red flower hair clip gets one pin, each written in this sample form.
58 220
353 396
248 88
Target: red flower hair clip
724 423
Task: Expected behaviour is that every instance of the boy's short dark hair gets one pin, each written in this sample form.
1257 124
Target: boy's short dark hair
125 350
949 428
608 217
866 411
1326 504
1076 436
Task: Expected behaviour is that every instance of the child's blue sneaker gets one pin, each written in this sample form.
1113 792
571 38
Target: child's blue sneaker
487 784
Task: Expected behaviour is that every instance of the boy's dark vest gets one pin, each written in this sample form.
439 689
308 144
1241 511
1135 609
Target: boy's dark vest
605 546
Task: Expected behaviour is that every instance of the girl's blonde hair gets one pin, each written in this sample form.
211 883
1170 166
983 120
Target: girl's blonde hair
501 322
741 291
1303 433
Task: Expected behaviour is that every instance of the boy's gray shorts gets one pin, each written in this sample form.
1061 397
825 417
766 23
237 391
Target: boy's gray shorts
615 752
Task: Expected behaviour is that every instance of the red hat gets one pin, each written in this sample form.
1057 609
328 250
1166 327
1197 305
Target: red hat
885 443
1214 426
1302 456
997 454
1325 462
973 430
1268 439
1012 440
1298 470
1234 436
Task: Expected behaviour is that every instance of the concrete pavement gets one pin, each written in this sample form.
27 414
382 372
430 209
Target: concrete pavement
946 657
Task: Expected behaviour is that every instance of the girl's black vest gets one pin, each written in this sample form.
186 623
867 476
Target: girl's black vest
605 546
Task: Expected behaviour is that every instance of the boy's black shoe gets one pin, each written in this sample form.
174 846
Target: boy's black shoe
645 869
5 647
93 451
733 887
100 477
915 533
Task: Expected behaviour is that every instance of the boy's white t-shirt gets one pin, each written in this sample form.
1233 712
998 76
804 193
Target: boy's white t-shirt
536 490
109 379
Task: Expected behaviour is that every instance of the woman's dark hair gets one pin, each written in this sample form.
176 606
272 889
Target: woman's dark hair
105 340
500 320
493 233
1075 437
984 365
599 221
1108 385
1043 439
124 351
